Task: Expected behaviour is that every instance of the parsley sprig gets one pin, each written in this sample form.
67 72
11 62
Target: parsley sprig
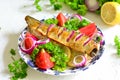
117 44
36 3
18 67
75 24
51 21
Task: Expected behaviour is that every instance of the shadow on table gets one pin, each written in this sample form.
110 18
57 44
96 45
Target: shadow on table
11 43
35 75
29 9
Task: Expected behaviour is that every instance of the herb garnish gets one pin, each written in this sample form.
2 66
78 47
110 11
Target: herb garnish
117 44
75 24
36 3
51 21
18 67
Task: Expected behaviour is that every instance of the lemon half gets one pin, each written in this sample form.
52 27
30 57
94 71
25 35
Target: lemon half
110 13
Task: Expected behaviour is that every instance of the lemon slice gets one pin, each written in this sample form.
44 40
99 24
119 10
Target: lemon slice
110 13
67 51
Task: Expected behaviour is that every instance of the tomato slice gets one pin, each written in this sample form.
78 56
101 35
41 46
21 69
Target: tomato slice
28 42
61 19
89 30
31 35
43 60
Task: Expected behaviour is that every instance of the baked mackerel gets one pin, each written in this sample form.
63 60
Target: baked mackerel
72 39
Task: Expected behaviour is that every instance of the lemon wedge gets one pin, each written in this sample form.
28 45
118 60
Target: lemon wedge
110 13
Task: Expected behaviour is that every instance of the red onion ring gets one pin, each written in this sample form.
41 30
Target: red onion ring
80 64
102 42
87 41
92 7
39 42
70 36
78 36
100 33
51 25
77 16
63 29
28 51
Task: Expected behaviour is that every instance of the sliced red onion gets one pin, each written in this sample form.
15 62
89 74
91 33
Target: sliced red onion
77 16
78 36
63 29
39 42
28 51
60 31
81 63
52 25
102 42
92 5
87 41
100 33
70 36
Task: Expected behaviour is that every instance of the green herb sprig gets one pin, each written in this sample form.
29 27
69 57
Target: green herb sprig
36 3
34 53
117 44
75 24
51 21
58 55
18 67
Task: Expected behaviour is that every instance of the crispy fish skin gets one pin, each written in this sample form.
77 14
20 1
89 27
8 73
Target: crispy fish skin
32 23
41 28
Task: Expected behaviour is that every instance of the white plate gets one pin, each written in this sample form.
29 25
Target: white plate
29 61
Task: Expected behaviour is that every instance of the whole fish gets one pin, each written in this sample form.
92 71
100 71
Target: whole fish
72 39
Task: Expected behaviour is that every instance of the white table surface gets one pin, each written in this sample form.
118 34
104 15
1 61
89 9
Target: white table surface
12 14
